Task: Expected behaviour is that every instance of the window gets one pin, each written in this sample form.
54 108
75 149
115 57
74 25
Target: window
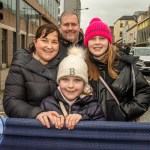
22 41
120 33
126 23
4 46
121 25
14 42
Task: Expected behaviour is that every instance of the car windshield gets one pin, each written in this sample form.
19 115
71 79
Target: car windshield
142 52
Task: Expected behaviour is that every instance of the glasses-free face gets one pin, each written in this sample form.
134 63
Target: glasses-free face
47 47
70 28
71 87
97 46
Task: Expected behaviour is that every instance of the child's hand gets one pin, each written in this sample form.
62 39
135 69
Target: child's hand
51 118
72 120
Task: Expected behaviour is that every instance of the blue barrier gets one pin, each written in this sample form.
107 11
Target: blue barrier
29 134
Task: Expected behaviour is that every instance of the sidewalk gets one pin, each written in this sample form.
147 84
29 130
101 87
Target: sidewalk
2 114
3 75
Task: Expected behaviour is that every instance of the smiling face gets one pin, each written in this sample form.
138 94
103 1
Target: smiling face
97 46
47 47
71 87
70 28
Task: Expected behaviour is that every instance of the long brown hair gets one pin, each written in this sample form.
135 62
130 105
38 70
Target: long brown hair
110 58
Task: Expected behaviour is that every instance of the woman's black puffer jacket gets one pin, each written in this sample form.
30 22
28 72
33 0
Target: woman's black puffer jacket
28 82
132 107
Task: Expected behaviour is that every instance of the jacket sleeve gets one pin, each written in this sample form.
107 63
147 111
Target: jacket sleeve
138 105
50 104
14 101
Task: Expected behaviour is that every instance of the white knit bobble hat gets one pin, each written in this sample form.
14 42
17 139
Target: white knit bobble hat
74 65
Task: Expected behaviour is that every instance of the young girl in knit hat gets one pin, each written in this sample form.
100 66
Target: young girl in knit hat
74 100
118 71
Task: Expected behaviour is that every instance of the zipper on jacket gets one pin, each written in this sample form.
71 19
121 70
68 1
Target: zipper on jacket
69 109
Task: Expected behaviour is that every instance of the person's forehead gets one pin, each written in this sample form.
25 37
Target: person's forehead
70 18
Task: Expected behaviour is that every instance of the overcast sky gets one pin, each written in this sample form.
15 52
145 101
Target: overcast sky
110 10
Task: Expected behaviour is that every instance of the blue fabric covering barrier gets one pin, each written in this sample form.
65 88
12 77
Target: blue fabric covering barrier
29 134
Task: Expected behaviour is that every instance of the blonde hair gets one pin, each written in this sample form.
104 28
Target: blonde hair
110 58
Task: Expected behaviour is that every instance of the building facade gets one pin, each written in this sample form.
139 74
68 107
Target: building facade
133 30
129 34
143 29
118 28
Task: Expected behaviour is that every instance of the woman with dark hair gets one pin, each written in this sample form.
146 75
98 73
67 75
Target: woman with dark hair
119 72
32 75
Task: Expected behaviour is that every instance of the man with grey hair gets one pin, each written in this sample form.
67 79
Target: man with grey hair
70 30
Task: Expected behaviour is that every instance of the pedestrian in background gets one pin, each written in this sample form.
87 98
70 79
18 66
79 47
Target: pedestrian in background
32 75
118 73
73 100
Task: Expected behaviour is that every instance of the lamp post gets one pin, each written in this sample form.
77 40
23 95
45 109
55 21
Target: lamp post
17 24
77 11
27 23
81 9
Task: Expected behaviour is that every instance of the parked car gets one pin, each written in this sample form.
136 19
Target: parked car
144 58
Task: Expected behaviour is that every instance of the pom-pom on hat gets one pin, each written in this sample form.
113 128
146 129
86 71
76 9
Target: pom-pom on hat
73 65
97 28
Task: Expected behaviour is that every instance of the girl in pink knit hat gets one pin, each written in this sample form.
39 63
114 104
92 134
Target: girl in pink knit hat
119 72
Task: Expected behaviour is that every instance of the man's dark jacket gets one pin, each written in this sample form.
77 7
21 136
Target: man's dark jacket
65 44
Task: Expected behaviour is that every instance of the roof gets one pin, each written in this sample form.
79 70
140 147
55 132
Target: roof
126 18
